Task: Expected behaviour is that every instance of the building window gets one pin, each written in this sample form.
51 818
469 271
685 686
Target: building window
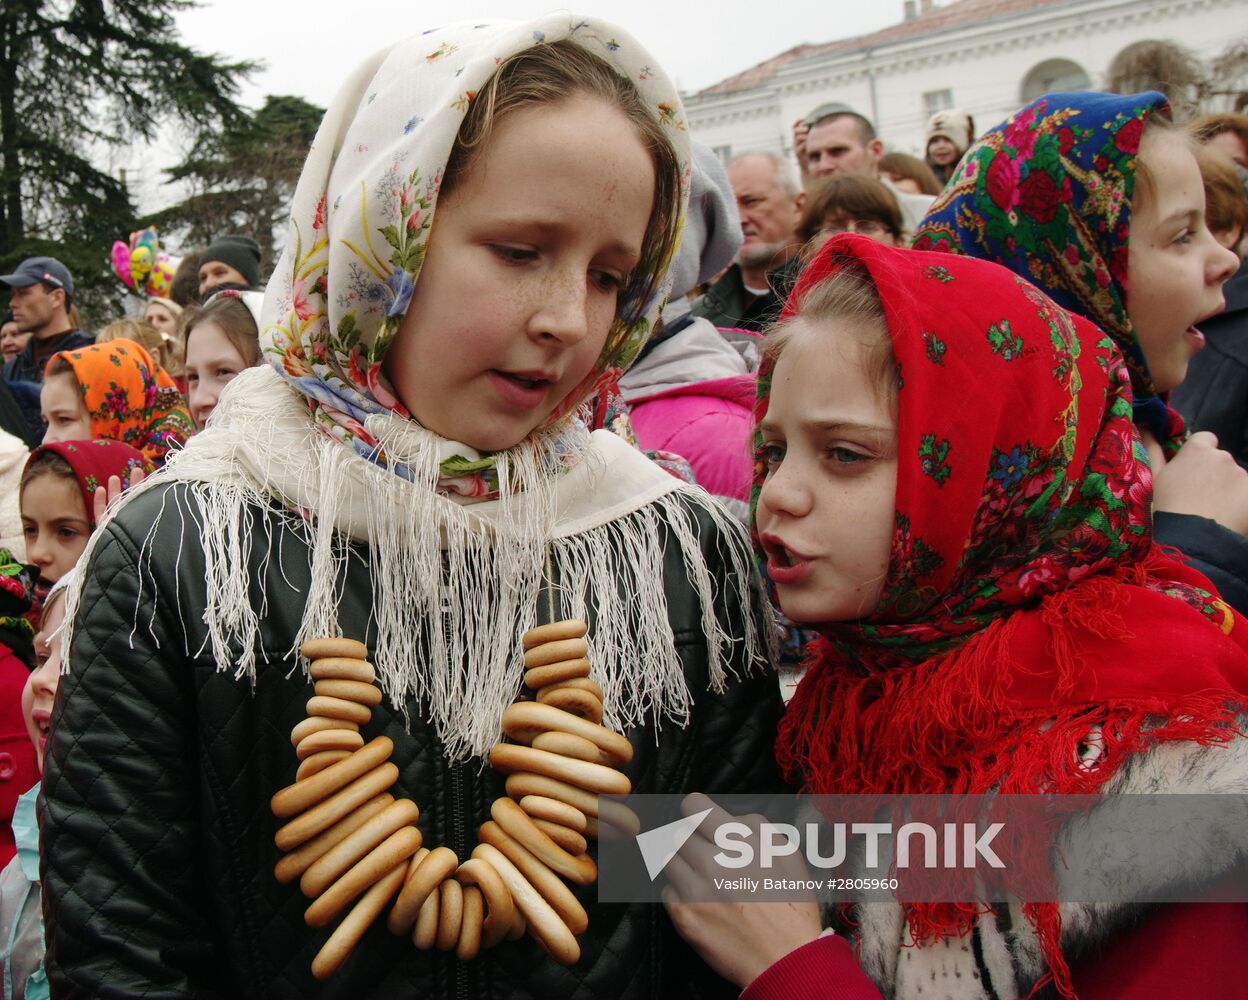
937 100
1053 76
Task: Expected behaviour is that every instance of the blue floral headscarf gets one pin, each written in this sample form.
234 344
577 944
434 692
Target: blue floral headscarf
1048 194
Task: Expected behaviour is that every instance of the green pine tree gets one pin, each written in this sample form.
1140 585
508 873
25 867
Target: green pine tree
78 77
243 179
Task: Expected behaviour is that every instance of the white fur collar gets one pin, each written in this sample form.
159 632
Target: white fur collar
1009 950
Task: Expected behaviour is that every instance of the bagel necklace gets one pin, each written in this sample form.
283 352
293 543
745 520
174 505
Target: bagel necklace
351 843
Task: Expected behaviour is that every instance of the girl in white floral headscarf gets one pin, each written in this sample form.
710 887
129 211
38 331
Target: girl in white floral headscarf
476 245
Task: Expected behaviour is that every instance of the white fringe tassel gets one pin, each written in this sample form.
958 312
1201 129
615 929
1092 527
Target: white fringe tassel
452 591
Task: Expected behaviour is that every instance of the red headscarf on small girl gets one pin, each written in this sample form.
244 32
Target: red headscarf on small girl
93 462
1025 600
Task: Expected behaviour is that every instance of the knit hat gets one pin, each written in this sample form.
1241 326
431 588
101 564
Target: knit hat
952 124
241 252
712 234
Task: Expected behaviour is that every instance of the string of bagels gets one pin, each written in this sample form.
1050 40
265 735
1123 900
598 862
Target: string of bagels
355 848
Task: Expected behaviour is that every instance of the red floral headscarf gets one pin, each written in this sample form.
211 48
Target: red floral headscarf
94 462
1026 601
129 397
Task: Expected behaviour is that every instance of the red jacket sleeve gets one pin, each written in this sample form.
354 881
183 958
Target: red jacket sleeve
824 969
18 771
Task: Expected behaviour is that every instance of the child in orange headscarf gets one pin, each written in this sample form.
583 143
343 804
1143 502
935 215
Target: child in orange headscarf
114 390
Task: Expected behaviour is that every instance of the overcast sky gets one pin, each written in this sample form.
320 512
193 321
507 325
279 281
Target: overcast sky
309 48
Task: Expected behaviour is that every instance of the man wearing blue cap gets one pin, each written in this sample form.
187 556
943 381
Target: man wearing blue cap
41 294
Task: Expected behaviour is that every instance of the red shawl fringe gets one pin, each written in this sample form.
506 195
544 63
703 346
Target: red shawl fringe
953 725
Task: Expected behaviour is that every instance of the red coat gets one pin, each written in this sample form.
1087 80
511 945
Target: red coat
18 771
1184 951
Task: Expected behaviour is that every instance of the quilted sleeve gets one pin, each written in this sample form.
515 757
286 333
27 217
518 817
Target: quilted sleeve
734 731
124 907
1210 548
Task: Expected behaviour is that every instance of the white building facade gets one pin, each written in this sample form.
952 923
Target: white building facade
987 57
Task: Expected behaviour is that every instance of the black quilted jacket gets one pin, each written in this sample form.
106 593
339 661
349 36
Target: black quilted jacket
157 835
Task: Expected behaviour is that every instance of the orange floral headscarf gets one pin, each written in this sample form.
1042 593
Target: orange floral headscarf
129 397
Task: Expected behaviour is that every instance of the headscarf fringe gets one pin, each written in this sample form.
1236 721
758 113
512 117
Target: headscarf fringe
453 591
962 738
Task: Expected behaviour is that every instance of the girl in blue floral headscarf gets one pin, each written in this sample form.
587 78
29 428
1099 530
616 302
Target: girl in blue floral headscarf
1098 200
1051 193
477 245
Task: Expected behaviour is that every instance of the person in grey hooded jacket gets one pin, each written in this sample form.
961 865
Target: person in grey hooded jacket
691 392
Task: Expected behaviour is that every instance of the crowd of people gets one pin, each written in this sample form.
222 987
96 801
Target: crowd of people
866 473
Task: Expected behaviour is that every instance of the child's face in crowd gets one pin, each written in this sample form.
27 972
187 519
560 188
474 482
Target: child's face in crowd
942 151
161 318
526 261
217 272
212 362
60 402
40 689
825 513
907 184
55 524
1175 268
12 340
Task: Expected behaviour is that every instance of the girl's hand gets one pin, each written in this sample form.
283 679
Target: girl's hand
103 497
739 940
1201 479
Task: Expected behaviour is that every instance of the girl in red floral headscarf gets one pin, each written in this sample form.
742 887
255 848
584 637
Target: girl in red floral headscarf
947 488
115 391
66 486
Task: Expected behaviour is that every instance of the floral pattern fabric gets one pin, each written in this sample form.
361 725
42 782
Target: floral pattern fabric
17 589
1025 599
364 209
130 398
1048 194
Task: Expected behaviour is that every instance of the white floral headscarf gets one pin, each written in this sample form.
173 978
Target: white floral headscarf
453 586
362 214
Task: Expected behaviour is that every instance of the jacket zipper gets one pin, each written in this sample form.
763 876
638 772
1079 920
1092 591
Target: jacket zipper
459 840
458 830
